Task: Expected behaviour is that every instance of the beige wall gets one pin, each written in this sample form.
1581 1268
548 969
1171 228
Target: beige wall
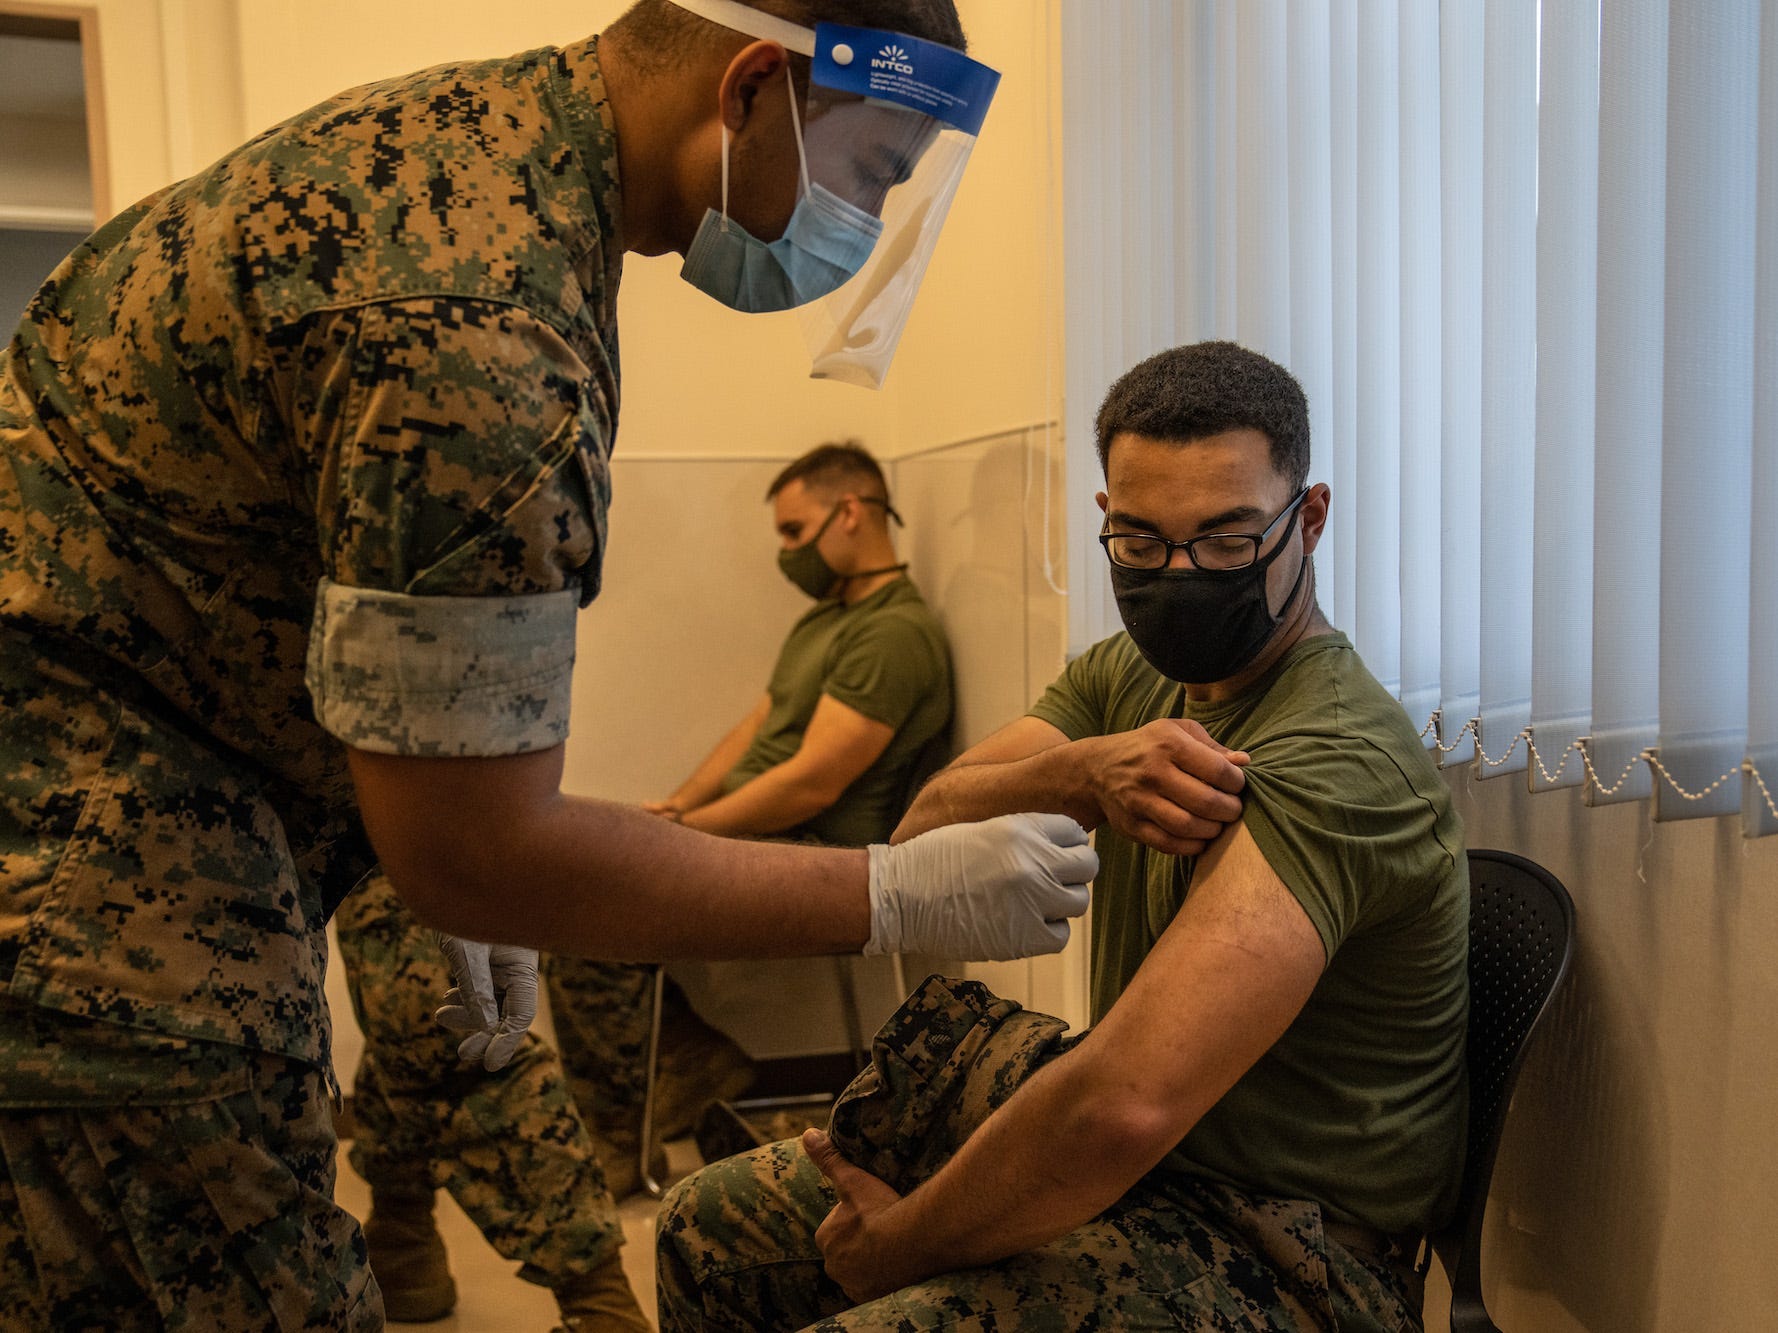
1639 1162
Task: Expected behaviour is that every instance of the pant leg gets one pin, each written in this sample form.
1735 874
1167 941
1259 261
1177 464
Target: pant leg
735 1245
510 1146
217 1213
602 1014
1174 1252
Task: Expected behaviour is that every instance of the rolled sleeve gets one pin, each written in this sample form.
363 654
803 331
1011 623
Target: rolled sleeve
442 676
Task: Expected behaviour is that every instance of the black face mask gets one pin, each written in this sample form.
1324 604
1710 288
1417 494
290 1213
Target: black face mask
1201 625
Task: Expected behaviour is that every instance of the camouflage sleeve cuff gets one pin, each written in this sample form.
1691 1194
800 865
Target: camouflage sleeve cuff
442 676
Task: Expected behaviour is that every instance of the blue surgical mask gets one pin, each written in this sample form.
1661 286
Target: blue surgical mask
824 245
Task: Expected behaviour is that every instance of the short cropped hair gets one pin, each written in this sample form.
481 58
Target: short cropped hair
660 33
1188 393
845 466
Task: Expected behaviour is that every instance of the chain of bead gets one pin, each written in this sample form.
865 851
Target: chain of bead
1651 757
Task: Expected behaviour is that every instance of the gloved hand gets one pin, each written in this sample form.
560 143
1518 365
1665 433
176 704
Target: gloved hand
480 973
997 890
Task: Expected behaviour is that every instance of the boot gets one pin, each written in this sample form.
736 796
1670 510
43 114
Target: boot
407 1255
699 1065
620 1152
602 1302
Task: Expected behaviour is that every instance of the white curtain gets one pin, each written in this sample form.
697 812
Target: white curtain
1523 256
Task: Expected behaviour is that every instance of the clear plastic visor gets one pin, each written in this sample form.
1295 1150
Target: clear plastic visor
898 165
887 129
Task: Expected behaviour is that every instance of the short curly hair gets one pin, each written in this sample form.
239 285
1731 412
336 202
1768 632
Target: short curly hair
660 33
1188 393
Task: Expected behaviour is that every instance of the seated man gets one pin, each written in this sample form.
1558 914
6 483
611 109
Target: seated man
860 696
1269 1110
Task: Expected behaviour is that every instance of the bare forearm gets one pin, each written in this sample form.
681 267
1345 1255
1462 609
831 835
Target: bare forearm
776 800
1048 1161
1053 781
600 880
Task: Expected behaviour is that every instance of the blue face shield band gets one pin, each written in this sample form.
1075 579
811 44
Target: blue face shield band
825 243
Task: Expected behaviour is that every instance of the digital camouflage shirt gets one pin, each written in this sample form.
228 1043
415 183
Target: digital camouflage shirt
310 448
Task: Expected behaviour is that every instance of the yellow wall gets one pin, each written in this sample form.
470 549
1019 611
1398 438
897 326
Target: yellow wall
700 380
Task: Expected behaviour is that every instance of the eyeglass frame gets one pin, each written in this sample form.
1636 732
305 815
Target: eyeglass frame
1258 539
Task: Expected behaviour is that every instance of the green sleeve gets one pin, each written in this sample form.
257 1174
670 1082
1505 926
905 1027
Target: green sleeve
1078 702
1344 828
884 669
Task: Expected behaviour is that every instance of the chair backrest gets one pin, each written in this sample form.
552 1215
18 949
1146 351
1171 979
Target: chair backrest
1521 936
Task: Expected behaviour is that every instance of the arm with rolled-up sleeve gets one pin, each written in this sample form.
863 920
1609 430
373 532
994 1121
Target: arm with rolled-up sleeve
461 516
461 453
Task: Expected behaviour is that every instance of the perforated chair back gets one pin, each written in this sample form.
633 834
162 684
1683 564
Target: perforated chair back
1521 936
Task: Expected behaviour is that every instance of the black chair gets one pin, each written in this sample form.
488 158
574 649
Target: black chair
1521 937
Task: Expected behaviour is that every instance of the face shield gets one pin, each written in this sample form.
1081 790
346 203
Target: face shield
885 134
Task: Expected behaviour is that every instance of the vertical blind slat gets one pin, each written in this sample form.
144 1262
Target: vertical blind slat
1762 710
1421 612
1377 501
1567 306
1630 360
1706 471
1462 46
1509 376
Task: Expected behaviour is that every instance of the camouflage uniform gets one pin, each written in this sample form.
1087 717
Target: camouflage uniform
311 446
737 1240
509 1146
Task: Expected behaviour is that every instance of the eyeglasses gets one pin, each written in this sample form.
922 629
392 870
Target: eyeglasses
1214 551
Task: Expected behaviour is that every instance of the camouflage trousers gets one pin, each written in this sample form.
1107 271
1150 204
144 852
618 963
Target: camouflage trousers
510 1146
736 1241
602 1013
170 1184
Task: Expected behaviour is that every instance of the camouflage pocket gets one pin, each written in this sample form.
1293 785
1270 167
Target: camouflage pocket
946 1060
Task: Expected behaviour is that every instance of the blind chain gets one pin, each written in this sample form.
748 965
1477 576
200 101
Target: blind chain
1650 756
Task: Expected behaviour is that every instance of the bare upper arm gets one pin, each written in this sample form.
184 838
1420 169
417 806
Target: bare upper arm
439 824
840 743
1225 980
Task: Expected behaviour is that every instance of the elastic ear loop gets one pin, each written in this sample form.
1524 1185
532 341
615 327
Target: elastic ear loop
725 138
802 154
796 124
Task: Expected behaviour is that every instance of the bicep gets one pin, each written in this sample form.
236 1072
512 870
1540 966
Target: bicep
1225 980
840 742
438 824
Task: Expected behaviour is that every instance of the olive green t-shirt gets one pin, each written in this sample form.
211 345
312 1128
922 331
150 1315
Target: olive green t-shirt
1361 1104
886 657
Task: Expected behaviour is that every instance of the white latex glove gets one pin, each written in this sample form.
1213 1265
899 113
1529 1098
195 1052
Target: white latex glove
480 973
992 891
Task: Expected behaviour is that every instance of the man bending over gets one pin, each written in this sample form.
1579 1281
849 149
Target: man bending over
1269 1109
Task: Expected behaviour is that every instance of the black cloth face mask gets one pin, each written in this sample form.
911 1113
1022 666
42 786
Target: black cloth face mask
1197 626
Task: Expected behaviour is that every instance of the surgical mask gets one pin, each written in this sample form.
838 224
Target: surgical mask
1201 625
825 243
